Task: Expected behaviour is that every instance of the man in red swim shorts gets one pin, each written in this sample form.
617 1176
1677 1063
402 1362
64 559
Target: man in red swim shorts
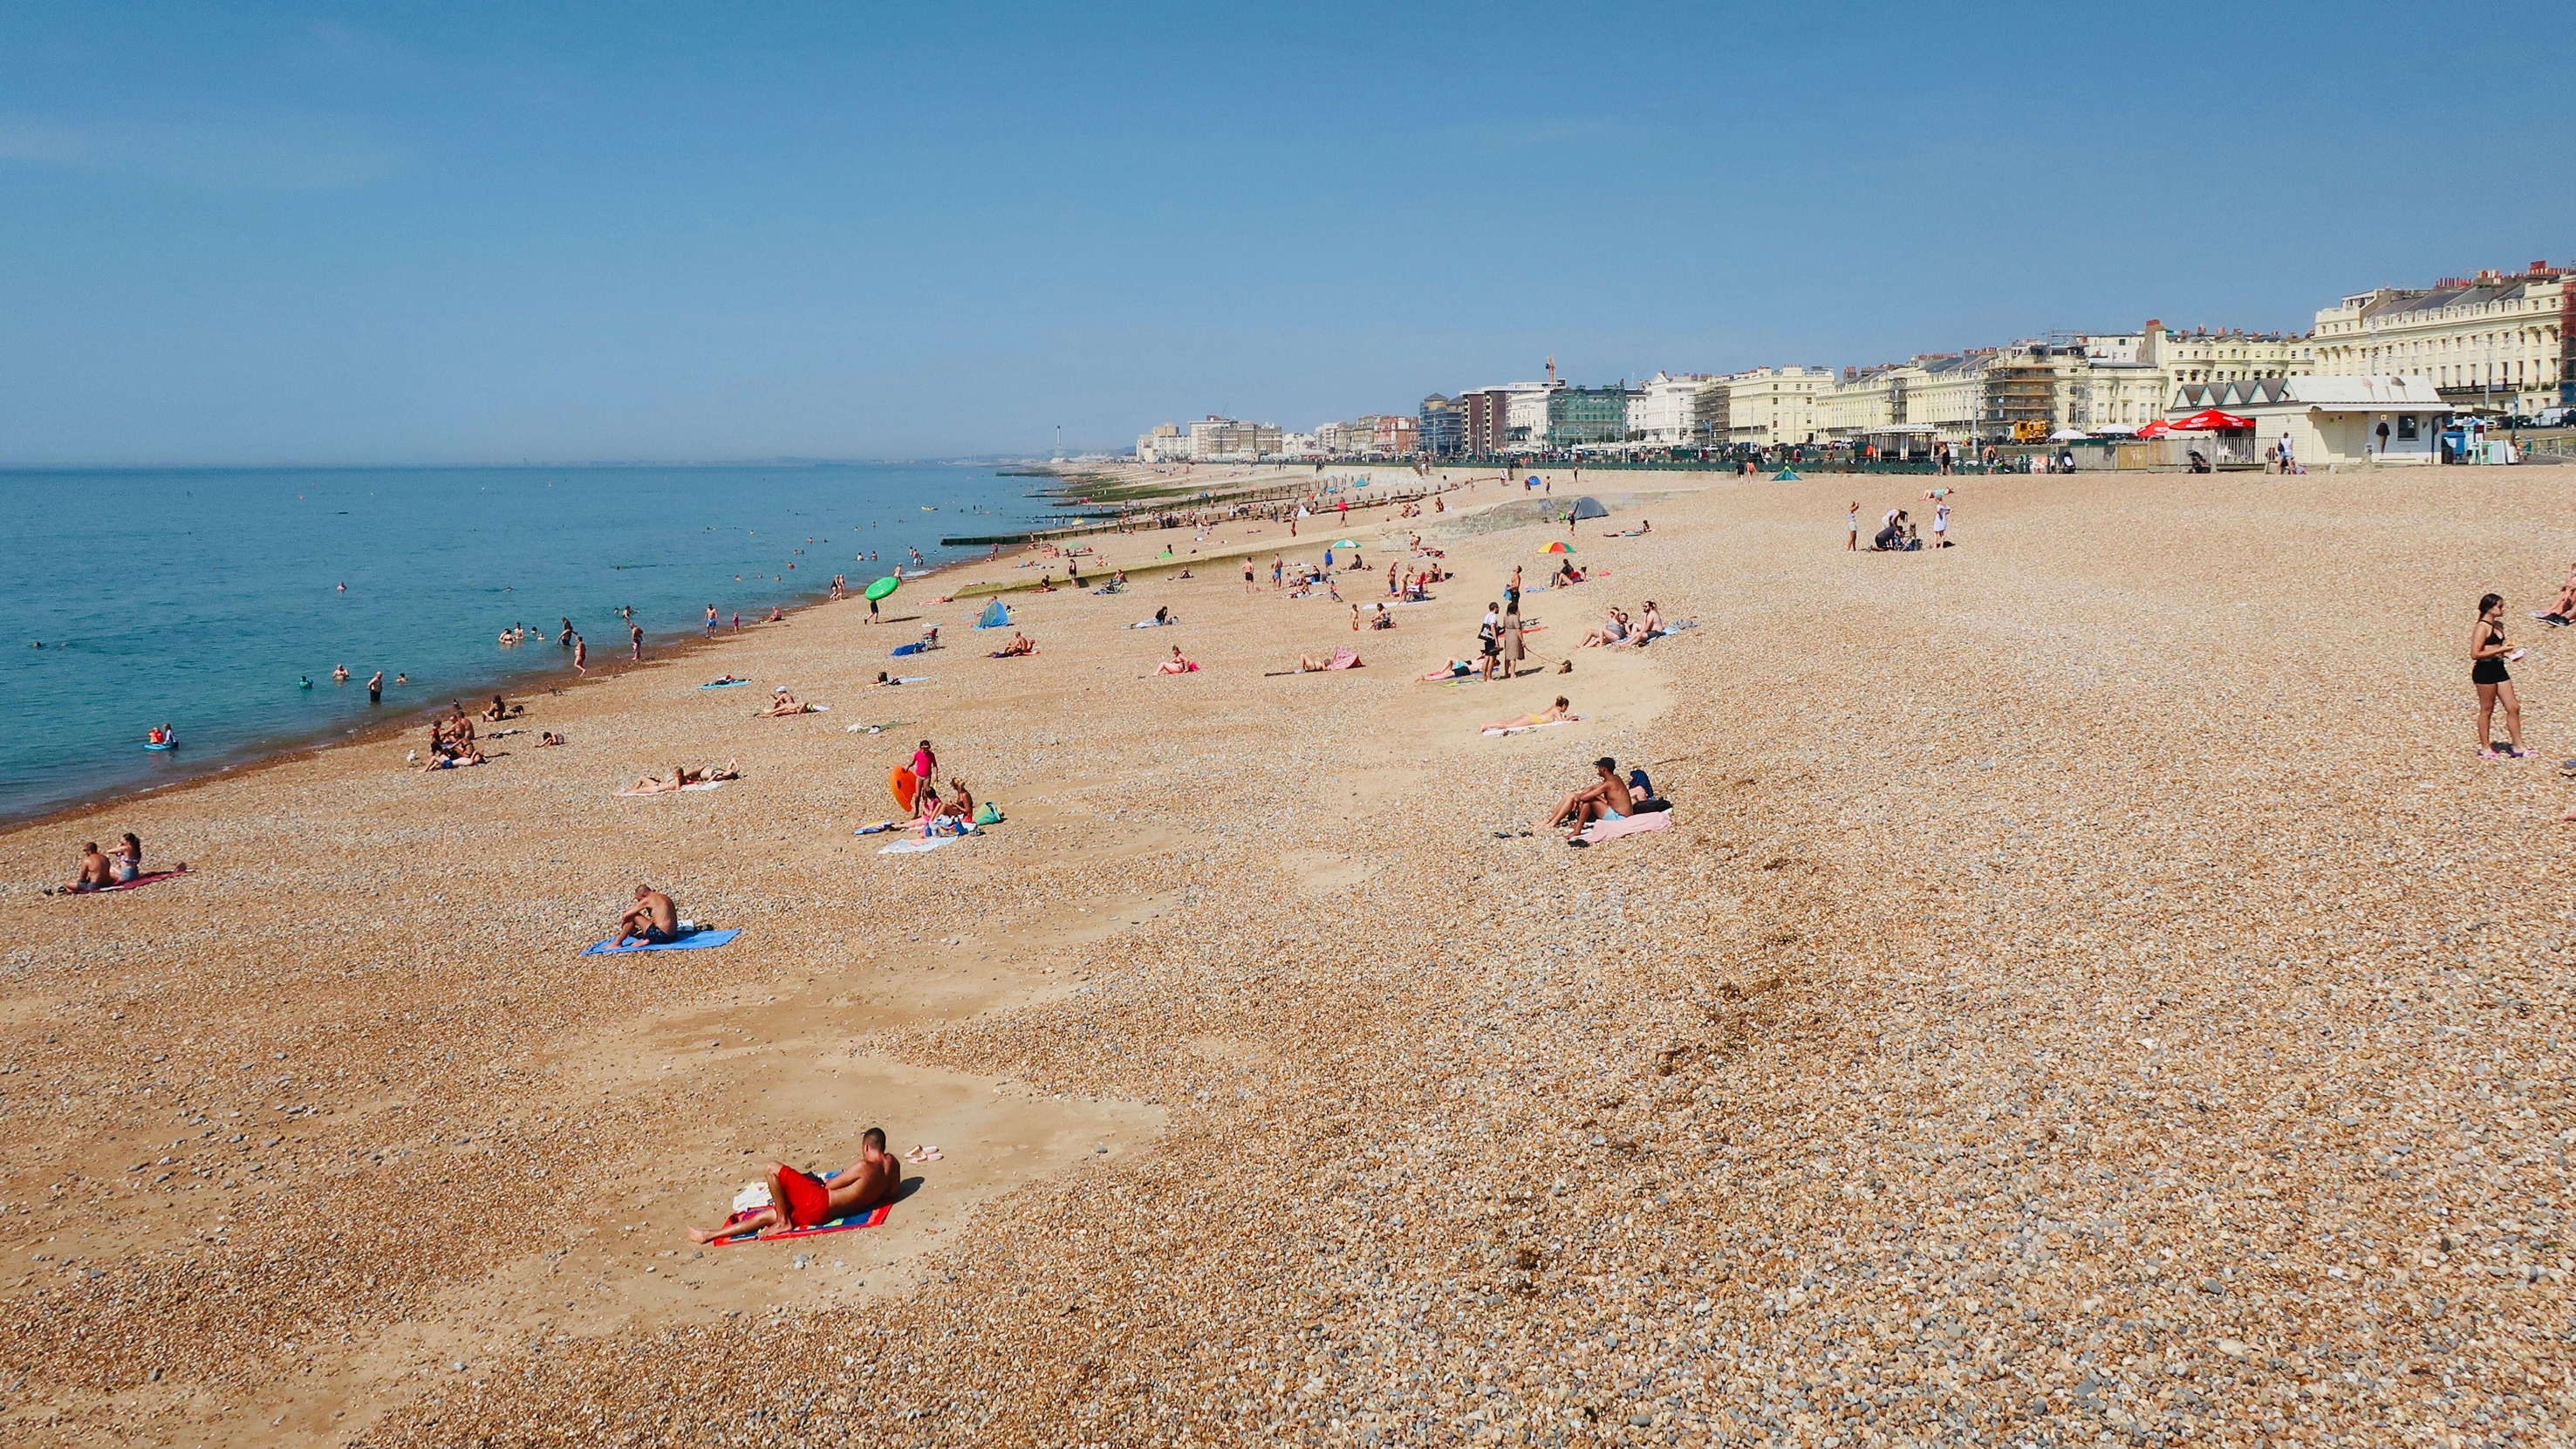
800 1200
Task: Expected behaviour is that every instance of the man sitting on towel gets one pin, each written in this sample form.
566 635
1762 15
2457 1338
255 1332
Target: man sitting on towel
798 1200
1607 798
654 921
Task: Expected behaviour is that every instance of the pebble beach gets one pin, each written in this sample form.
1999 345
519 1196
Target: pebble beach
2091 991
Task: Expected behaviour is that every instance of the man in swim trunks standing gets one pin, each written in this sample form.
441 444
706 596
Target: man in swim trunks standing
654 921
800 1200
635 638
376 687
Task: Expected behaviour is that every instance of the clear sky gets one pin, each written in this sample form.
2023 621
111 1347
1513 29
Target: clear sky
495 232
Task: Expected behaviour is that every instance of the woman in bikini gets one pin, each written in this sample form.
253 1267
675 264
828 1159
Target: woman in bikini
1176 664
1550 715
2487 654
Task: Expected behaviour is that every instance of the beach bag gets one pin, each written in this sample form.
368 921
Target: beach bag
985 814
753 1197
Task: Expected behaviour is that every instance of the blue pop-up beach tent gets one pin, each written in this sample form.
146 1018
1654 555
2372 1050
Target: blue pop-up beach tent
995 616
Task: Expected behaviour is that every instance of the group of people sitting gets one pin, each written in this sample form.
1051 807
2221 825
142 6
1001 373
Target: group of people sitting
100 870
782 704
451 742
1620 629
1608 797
1411 585
1567 573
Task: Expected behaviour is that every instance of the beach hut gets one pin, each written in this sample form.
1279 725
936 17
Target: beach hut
1589 507
995 616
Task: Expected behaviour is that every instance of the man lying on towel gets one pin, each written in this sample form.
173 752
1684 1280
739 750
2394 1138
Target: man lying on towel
1607 798
798 1200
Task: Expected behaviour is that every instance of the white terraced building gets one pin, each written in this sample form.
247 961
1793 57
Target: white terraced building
2496 341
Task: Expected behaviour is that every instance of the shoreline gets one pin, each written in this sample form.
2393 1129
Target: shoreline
1276 1047
261 758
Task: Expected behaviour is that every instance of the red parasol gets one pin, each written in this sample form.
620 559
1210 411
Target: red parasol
2156 429
2211 420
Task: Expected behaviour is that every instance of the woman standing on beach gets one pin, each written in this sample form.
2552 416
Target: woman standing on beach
2487 654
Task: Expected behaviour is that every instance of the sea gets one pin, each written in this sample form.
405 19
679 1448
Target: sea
219 601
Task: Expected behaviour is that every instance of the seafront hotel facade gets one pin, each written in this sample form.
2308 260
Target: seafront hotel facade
2494 343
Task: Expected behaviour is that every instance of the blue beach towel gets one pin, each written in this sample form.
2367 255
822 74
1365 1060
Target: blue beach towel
699 940
726 684
900 650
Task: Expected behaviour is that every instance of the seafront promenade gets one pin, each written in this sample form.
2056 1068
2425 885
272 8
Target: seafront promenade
2090 986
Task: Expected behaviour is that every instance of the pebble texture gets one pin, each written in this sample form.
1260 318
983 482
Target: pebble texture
2092 991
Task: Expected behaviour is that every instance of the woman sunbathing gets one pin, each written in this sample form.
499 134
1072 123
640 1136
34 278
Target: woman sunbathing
785 704
681 777
1611 633
1454 669
1553 714
1176 664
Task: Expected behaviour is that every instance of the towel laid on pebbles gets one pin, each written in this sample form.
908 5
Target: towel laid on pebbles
140 881
1600 830
701 785
1525 729
697 940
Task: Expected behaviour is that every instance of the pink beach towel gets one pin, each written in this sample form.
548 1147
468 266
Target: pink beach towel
1600 830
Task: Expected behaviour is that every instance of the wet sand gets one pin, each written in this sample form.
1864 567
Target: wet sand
2091 987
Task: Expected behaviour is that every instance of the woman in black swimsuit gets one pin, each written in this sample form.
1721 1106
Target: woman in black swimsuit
2487 650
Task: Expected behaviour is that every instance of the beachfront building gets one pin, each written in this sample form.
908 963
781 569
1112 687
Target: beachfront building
1216 437
1481 421
2393 419
1525 413
1167 443
2493 342
1587 417
1395 436
1767 406
1361 437
1437 427
1678 410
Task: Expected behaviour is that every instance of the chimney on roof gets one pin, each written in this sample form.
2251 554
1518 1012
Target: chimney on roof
2539 267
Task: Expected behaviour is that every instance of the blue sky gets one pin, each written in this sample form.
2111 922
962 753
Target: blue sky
347 233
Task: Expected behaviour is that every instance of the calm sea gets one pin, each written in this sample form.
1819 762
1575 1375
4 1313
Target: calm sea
201 597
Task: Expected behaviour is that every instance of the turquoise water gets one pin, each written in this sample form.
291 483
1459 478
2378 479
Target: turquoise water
200 596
